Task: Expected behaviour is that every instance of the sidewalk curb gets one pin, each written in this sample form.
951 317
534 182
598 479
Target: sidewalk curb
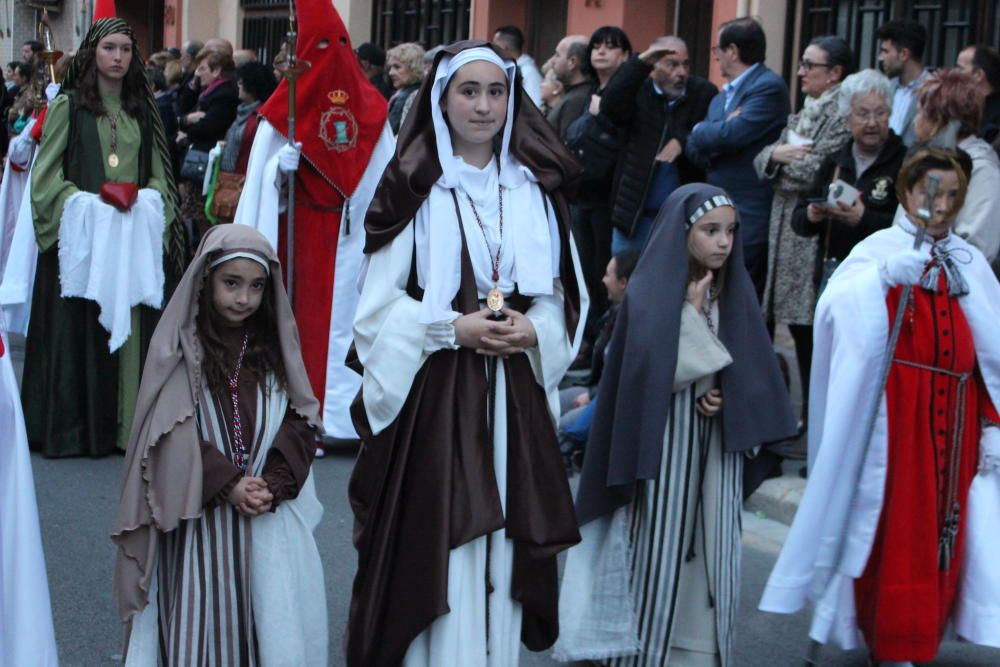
778 498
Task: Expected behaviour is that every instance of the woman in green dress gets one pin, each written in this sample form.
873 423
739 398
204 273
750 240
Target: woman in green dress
103 128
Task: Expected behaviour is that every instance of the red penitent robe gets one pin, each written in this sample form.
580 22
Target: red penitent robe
317 228
903 598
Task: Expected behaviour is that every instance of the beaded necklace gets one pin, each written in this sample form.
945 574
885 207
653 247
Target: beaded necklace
706 307
239 450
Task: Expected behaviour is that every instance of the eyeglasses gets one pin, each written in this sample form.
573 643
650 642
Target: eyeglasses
865 115
808 65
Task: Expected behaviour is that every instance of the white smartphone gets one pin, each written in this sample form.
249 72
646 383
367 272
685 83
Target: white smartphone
841 192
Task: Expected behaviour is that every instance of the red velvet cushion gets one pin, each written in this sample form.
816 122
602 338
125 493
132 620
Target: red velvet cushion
119 195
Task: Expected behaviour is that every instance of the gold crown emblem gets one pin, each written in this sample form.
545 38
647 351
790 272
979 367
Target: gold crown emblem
338 96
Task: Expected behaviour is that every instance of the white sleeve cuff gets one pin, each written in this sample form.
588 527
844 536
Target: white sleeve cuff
440 336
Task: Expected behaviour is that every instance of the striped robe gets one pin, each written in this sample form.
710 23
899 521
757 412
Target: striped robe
657 581
206 617
684 554
233 591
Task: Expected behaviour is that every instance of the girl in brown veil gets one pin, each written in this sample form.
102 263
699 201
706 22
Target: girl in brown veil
460 499
216 554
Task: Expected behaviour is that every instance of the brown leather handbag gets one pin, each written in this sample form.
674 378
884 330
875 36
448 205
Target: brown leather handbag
228 188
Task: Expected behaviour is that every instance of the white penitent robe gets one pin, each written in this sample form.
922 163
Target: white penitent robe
18 282
260 205
393 345
834 528
20 155
26 633
17 279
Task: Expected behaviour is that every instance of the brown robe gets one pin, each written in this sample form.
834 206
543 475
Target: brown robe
425 485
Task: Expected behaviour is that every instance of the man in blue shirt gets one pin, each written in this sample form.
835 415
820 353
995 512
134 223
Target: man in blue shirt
746 116
900 55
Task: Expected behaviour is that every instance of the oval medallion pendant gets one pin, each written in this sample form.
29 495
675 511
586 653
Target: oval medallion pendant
113 160
494 300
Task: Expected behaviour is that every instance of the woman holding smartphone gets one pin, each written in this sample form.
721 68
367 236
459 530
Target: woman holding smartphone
869 162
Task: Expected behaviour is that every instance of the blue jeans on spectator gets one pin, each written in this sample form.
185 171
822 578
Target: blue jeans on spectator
620 242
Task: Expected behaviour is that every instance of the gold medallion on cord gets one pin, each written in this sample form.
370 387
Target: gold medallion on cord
494 300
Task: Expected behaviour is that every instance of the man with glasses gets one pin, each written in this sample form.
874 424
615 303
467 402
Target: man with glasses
745 117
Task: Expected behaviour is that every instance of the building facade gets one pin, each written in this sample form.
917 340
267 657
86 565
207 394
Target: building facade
261 24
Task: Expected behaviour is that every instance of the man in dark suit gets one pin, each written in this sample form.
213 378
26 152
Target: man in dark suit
746 116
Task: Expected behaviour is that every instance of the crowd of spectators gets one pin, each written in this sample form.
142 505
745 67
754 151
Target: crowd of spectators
642 125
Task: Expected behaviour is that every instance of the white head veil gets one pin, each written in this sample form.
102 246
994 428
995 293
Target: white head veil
531 234
512 173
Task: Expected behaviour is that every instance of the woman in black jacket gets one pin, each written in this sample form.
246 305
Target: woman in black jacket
202 128
869 162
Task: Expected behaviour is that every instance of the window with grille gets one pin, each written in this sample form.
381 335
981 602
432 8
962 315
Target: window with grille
428 22
265 27
951 24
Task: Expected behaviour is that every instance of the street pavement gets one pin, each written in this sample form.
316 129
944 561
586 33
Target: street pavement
77 500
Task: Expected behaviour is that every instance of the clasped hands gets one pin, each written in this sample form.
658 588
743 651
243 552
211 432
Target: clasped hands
709 403
251 497
495 338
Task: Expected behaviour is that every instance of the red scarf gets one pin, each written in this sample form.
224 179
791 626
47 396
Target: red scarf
339 113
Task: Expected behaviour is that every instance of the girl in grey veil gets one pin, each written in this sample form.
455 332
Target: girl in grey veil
661 487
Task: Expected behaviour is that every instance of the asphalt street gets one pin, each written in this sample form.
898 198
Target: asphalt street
77 500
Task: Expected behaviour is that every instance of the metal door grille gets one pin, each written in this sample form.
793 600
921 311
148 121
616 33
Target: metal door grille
951 24
264 4
428 22
265 35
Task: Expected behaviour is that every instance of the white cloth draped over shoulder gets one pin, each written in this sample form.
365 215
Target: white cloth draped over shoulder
18 275
851 331
260 205
113 258
26 633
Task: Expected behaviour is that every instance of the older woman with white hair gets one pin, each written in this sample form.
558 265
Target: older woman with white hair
868 162
405 64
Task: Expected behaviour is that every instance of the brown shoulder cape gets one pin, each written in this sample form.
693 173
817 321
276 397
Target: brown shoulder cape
415 168
426 484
